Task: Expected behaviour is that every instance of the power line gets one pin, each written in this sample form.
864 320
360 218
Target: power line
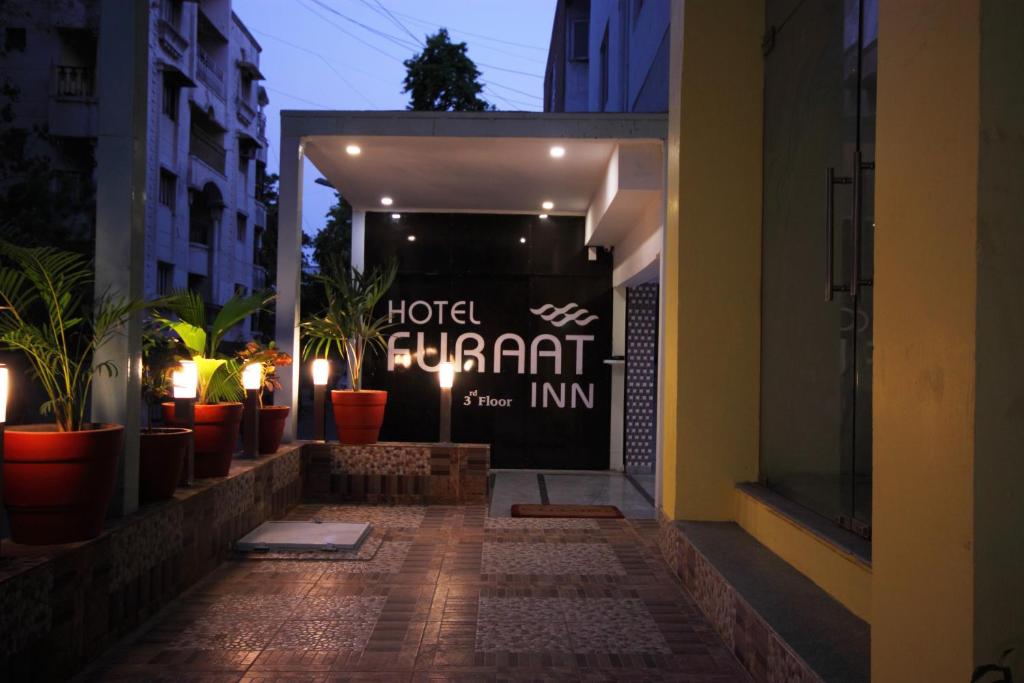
398 22
401 42
300 99
468 33
521 92
349 33
325 61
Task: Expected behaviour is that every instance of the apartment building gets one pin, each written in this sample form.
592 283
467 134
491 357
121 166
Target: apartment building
206 144
608 56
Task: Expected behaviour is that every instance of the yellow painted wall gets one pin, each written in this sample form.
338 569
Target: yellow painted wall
842 575
712 279
925 292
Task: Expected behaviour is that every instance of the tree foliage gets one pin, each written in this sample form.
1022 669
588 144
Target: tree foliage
443 78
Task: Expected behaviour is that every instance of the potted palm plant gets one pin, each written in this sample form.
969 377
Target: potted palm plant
349 326
162 450
218 414
272 418
58 478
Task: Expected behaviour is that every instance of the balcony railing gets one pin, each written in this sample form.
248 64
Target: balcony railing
210 74
207 150
75 81
260 215
261 126
244 111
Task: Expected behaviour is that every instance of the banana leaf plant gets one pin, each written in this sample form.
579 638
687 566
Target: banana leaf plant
219 373
48 311
348 324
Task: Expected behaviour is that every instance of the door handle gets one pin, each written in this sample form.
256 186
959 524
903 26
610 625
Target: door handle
858 166
831 180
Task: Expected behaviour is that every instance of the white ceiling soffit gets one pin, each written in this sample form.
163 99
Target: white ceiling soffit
632 184
486 175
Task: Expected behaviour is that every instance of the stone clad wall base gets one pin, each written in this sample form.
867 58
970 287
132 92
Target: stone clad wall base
756 645
64 605
410 473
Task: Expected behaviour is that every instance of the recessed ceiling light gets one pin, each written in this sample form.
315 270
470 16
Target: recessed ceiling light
395 216
387 201
548 205
411 238
543 216
522 240
557 151
354 150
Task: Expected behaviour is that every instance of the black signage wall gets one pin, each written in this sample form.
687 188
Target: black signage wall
515 303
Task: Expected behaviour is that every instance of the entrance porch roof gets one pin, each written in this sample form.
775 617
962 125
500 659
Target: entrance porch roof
487 162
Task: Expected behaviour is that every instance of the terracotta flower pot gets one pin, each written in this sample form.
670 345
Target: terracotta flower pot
57 485
272 420
216 436
161 457
358 414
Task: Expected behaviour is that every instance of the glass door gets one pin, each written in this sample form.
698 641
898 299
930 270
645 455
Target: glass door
816 317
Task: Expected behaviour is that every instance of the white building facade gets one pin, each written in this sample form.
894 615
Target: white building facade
206 147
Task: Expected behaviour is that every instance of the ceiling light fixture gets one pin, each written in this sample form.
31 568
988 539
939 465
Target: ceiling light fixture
353 150
395 216
543 216
557 152
387 201
411 238
522 240
548 205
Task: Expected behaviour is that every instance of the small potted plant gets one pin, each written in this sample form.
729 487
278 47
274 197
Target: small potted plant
162 450
58 478
350 326
272 418
218 414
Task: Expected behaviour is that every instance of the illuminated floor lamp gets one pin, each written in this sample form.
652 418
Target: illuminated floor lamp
321 374
446 378
252 380
185 381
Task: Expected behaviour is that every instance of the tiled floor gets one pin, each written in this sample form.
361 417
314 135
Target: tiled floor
448 595
575 488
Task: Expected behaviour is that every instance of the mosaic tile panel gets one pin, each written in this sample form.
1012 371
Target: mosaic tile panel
521 625
527 523
26 613
387 560
142 546
234 496
582 559
612 625
381 458
286 470
379 517
641 378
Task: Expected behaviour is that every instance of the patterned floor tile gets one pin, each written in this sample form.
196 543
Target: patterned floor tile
613 626
581 559
521 625
388 560
539 524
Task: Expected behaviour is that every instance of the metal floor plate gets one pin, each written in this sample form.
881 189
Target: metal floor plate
323 536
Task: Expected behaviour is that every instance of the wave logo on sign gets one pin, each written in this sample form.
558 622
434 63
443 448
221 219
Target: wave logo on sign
570 313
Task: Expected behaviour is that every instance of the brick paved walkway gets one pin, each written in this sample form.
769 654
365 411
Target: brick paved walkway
440 594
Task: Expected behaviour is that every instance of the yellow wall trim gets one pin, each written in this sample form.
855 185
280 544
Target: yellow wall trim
844 576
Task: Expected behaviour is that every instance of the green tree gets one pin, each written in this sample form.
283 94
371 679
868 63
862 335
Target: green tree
334 241
443 78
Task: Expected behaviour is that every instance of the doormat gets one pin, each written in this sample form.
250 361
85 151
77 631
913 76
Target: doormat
304 536
575 511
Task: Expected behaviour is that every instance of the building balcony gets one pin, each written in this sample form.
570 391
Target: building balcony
73 111
261 127
207 150
259 216
209 74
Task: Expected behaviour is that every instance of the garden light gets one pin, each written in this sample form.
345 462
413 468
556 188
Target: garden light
446 378
321 375
252 377
321 371
252 380
185 380
4 379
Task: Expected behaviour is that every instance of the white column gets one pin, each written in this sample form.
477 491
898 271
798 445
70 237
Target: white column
359 240
616 441
123 68
289 273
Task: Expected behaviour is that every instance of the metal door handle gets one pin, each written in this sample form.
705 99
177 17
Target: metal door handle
830 182
855 281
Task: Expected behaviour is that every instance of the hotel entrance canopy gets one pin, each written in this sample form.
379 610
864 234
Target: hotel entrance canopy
611 173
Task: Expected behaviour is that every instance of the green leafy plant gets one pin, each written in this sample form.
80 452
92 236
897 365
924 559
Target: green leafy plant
270 359
160 354
219 374
48 312
348 324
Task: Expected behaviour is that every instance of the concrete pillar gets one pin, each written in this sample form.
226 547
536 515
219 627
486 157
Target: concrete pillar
123 82
948 553
289 273
711 286
616 449
358 240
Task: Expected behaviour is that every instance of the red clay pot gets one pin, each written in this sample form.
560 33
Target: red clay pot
216 435
358 414
272 420
162 453
57 485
